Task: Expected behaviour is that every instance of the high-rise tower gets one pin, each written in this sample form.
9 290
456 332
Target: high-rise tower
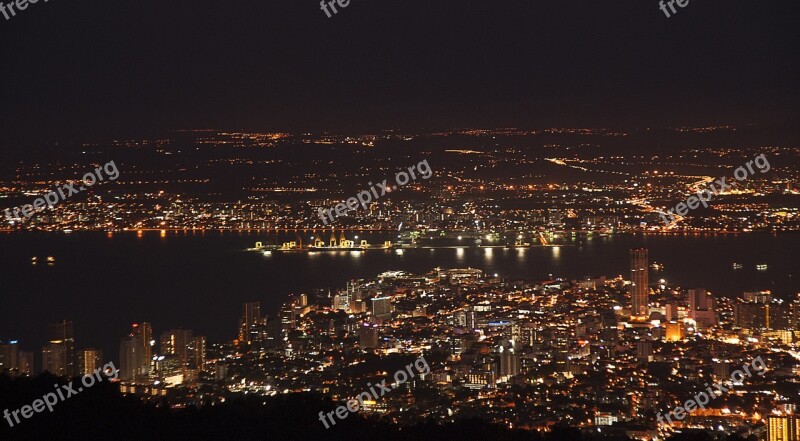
136 352
639 283
249 324
61 335
783 428
89 360
177 342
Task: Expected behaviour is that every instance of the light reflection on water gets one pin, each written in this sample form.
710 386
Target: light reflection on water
199 279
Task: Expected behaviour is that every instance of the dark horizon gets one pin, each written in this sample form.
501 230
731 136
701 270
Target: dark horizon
82 68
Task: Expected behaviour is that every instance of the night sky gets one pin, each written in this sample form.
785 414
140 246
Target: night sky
85 68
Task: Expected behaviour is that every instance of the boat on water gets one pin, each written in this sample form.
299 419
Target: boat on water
761 267
737 266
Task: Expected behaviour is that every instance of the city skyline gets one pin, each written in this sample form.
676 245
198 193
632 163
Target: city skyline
351 220
177 364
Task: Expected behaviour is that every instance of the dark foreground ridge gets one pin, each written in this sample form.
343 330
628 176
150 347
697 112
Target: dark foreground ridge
103 413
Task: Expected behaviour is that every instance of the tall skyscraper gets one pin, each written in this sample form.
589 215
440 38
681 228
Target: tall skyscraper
381 308
130 358
197 352
54 359
89 360
287 319
644 350
794 314
509 361
25 363
772 315
701 308
341 301
9 357
699 299
783 428
368 337
177 342
750 315
778 316
639 283
250 322
136 353
62 333
147 341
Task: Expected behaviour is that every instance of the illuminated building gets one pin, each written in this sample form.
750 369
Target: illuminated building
169 370
147 342
250 321
287 319
644 350
722 370
197 352
62 333
700 299
341 301
509 362
25 360
130 359
762 314
480 380
639 283
605 419
751 315
358 307
9 357
136 352
758 296
777 315
471 317
176 342
368 337
89 360
672 311
675 331
381 308
794 314
13 361
701 308
783 428
54 359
